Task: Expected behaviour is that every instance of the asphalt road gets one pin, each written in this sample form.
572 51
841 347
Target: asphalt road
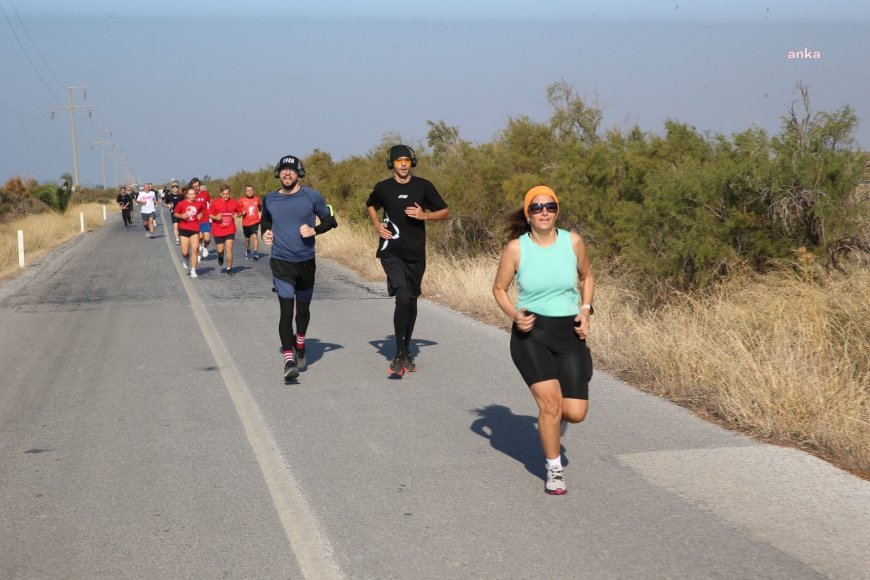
146 432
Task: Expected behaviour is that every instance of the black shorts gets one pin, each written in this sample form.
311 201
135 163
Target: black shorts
186 233
401 273
552 350
293 279
248 230
222 239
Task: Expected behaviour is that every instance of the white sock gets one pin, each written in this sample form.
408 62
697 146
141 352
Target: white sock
554 462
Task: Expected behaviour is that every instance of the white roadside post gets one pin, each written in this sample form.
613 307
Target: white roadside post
104 212
20 248
82 220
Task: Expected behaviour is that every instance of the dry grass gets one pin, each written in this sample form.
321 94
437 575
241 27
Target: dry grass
45 231
776 356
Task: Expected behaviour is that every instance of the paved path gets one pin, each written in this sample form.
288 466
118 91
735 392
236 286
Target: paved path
145 431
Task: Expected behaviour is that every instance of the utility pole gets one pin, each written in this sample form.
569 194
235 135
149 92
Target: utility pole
115 157
72 121
101 143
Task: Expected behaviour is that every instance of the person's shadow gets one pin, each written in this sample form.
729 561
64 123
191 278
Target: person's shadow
514 435
315 349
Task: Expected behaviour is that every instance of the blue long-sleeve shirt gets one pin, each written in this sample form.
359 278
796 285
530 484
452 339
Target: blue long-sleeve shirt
284 214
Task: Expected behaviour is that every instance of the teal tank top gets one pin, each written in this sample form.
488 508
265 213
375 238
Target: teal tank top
547 277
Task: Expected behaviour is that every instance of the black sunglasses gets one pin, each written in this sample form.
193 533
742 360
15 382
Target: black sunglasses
536 208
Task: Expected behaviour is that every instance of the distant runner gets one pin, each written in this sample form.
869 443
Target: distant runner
223 212
204 223
147 198
125 202
171 200
251 211
189 212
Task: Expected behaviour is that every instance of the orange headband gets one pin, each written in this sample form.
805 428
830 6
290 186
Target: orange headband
535 192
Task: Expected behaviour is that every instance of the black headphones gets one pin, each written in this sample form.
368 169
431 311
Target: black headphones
405 149
292 162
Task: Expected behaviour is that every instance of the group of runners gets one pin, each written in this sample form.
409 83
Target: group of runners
196 218
550 317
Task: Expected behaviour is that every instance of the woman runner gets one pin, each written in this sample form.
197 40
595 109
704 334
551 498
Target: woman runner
189 212
548 336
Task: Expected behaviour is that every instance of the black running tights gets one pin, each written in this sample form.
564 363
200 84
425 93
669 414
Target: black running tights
285 324
404 317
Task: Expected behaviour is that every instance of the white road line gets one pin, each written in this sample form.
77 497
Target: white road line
310 548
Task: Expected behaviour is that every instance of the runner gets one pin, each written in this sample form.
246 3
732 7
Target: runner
251 210
405 200
125 202
148 200
548 338
189 212
223 212
204 224
291 212
172 198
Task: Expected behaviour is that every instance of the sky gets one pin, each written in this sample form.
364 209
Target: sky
183 88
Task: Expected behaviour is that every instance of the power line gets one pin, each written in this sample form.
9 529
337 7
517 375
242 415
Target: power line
36 48
24 50
20 114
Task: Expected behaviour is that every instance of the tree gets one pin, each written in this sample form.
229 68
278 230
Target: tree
572 116
443 140
64 193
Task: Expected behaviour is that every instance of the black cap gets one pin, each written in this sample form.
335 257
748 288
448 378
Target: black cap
293 163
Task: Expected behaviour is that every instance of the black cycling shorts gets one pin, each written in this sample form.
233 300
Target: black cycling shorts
293 279
186 233
222 239
401 273
552 350
248 230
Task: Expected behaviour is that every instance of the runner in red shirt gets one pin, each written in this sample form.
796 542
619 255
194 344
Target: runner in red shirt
223 212
251 210
204 223
189 212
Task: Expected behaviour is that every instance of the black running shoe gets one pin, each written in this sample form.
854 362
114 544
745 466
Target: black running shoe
220 259
291 371
301 361
410 365
255 257
230 272
397 367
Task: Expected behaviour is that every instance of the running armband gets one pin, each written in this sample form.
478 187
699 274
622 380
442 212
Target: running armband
327 222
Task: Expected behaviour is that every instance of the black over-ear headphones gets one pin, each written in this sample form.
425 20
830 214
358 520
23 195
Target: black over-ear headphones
407 152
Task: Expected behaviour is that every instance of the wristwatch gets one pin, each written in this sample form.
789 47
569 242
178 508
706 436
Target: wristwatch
588 307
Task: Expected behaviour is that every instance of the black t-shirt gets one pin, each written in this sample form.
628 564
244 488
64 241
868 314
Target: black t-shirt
125 199
172 199
409 234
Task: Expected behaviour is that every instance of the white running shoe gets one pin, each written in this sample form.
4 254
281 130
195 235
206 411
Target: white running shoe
193 273
555 481
204 252
184 264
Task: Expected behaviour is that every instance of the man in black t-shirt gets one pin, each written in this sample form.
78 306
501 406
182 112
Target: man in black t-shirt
171 200
408 202
125 202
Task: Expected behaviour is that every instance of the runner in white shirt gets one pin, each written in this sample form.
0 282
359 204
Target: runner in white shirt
148 200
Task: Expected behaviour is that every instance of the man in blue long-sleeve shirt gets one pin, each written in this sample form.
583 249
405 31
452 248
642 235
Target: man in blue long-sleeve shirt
289 224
